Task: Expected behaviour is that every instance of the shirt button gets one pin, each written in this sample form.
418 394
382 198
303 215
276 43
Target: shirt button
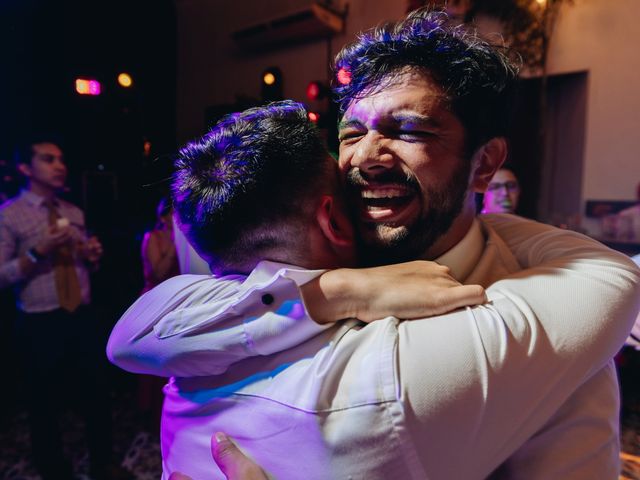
267 299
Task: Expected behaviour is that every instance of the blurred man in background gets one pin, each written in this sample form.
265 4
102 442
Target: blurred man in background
46 256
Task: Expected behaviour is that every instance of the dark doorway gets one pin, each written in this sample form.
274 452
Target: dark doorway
548 157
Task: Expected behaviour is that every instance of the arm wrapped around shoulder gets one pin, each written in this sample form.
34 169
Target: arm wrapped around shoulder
584 295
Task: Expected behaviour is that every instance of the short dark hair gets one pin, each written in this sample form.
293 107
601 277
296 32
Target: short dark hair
511 167
24 151
249 184
478 78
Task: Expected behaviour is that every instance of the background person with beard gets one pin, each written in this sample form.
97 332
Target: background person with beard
523 384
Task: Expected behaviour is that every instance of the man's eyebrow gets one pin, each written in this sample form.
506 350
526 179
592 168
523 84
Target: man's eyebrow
350 124
414 119
50 156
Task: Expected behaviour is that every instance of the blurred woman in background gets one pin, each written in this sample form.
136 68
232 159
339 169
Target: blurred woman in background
159 259
159 262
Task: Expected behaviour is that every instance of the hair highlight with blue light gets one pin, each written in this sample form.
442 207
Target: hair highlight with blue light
249 184
477 78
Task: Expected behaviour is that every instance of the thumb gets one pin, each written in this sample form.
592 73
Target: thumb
234 464
179 476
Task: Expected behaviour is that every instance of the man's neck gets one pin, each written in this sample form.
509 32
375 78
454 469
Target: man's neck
464 255
459 228
42 190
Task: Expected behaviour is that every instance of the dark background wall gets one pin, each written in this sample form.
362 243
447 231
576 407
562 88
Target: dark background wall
44 46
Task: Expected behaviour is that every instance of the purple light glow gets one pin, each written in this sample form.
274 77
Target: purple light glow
94 87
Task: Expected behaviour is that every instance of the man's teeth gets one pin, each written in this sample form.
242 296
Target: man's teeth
385 193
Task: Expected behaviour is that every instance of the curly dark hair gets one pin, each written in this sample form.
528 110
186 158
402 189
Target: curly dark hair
247 185
478 78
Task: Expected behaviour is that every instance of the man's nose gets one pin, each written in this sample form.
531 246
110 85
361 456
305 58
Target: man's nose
372 153
60 165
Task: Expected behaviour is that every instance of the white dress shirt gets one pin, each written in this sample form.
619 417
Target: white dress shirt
188 259
522 387
634 337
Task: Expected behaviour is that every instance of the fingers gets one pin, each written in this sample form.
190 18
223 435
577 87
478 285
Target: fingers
474 294
233 463
462 296
60 232
95 248
94 241
179 476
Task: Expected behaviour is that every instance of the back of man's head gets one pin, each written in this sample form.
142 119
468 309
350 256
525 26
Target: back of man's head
250 186
477 78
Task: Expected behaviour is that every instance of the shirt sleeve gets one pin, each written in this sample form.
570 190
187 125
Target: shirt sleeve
10 272
484 380
77 219
587 294
196 325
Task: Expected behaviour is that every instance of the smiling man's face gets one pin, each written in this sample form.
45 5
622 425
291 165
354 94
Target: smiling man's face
402 155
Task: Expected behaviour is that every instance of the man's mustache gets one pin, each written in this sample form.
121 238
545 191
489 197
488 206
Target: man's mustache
355 178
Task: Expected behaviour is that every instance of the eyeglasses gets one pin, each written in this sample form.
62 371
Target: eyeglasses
511 186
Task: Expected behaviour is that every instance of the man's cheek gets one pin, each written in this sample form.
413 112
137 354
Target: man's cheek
343 164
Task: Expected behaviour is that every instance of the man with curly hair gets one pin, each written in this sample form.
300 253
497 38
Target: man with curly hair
519 387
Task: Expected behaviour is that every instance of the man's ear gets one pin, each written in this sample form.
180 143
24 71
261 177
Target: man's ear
486 161
24 169
334 223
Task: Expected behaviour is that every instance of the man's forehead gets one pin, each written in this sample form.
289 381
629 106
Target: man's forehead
47 148
432 112
504 173
407 96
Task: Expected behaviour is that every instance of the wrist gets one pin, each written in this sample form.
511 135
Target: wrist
331 296
40 251
346 290
34 255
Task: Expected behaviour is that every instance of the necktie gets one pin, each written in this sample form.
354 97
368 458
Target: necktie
67 284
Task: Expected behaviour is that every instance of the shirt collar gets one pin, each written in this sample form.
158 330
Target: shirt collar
35 199
462 258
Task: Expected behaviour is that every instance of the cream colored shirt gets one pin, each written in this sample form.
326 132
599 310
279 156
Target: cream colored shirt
523 384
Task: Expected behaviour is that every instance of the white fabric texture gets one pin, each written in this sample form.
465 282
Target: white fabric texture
188 259
522 387
634 337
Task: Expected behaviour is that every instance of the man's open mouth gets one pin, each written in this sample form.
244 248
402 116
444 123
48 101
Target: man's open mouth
386 203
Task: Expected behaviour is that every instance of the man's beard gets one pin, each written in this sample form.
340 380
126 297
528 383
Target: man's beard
376 246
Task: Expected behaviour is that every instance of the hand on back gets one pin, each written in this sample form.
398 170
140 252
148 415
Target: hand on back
233 463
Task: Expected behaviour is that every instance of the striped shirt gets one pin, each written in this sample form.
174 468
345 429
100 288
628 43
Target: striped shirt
24 220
